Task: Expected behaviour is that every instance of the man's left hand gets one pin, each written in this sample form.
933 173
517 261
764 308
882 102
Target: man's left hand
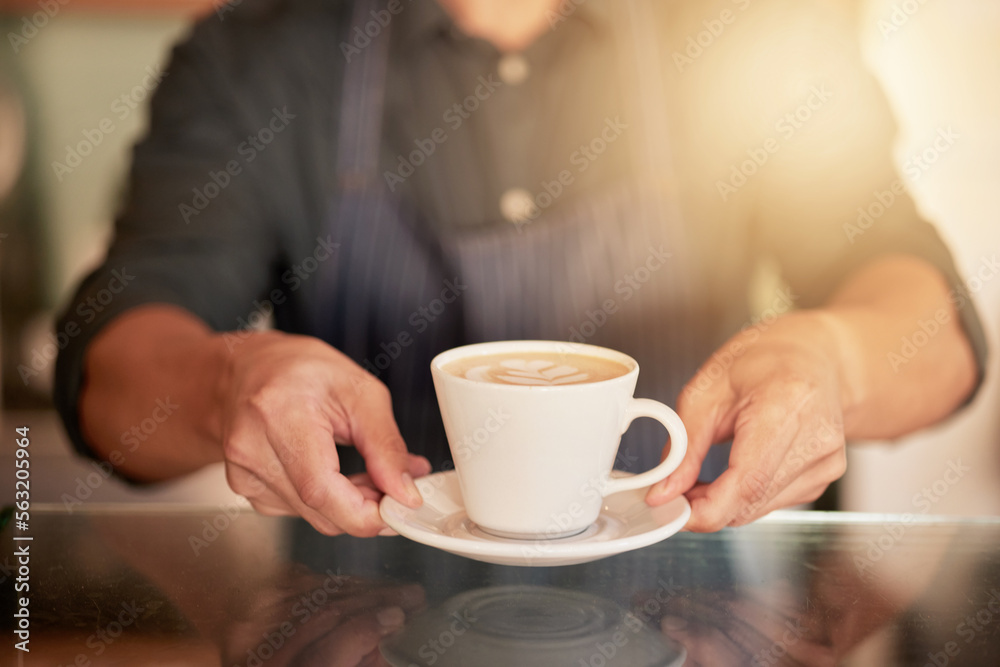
775 391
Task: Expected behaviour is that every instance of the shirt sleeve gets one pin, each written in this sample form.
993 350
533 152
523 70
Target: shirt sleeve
816 158
223 191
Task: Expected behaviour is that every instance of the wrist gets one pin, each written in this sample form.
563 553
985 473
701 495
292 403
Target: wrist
843 346
217 358
227 360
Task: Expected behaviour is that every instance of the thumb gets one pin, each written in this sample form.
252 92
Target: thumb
377 438
702 411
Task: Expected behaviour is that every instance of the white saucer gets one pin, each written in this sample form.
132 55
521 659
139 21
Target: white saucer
626 522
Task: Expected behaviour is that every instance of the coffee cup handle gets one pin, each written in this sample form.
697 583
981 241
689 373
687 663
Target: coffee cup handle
644 407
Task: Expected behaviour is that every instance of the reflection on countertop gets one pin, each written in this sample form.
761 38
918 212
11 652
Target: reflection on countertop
143 585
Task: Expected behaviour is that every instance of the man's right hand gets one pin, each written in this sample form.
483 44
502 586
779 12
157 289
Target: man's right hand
268 404
286 400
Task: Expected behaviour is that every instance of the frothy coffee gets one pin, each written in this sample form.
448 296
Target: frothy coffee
548 369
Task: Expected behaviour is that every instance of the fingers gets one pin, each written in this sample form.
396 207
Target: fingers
290 397
264 500
333 496
805 488
419 465
777 395
715 506
366 486
707 414
255 490
776 462
377 438
299 475
276 496
758 447
296 467
304 441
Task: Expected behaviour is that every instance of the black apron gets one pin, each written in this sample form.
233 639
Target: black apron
611 268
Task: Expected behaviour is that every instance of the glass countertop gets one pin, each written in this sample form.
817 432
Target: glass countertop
141 585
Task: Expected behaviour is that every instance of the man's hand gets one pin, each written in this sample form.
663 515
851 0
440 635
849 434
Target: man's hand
270 405
788 392
286 401
779 399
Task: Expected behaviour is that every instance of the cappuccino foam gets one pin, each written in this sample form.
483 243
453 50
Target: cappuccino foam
547 369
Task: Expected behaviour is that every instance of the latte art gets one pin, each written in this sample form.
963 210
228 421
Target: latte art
521 371
544 369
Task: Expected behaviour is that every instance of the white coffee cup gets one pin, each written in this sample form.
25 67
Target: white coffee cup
534 461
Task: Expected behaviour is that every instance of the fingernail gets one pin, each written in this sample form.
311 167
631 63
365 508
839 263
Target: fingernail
414 499
425 466
390 618
387 532
662 488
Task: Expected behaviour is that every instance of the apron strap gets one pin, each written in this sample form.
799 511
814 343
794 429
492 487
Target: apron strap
359 136
360 128
360 131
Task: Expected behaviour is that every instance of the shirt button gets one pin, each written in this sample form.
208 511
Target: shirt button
513 68
517 206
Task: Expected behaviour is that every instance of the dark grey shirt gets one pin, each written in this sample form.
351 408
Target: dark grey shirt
780 143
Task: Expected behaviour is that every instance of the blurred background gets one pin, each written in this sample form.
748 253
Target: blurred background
82 71
75 76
